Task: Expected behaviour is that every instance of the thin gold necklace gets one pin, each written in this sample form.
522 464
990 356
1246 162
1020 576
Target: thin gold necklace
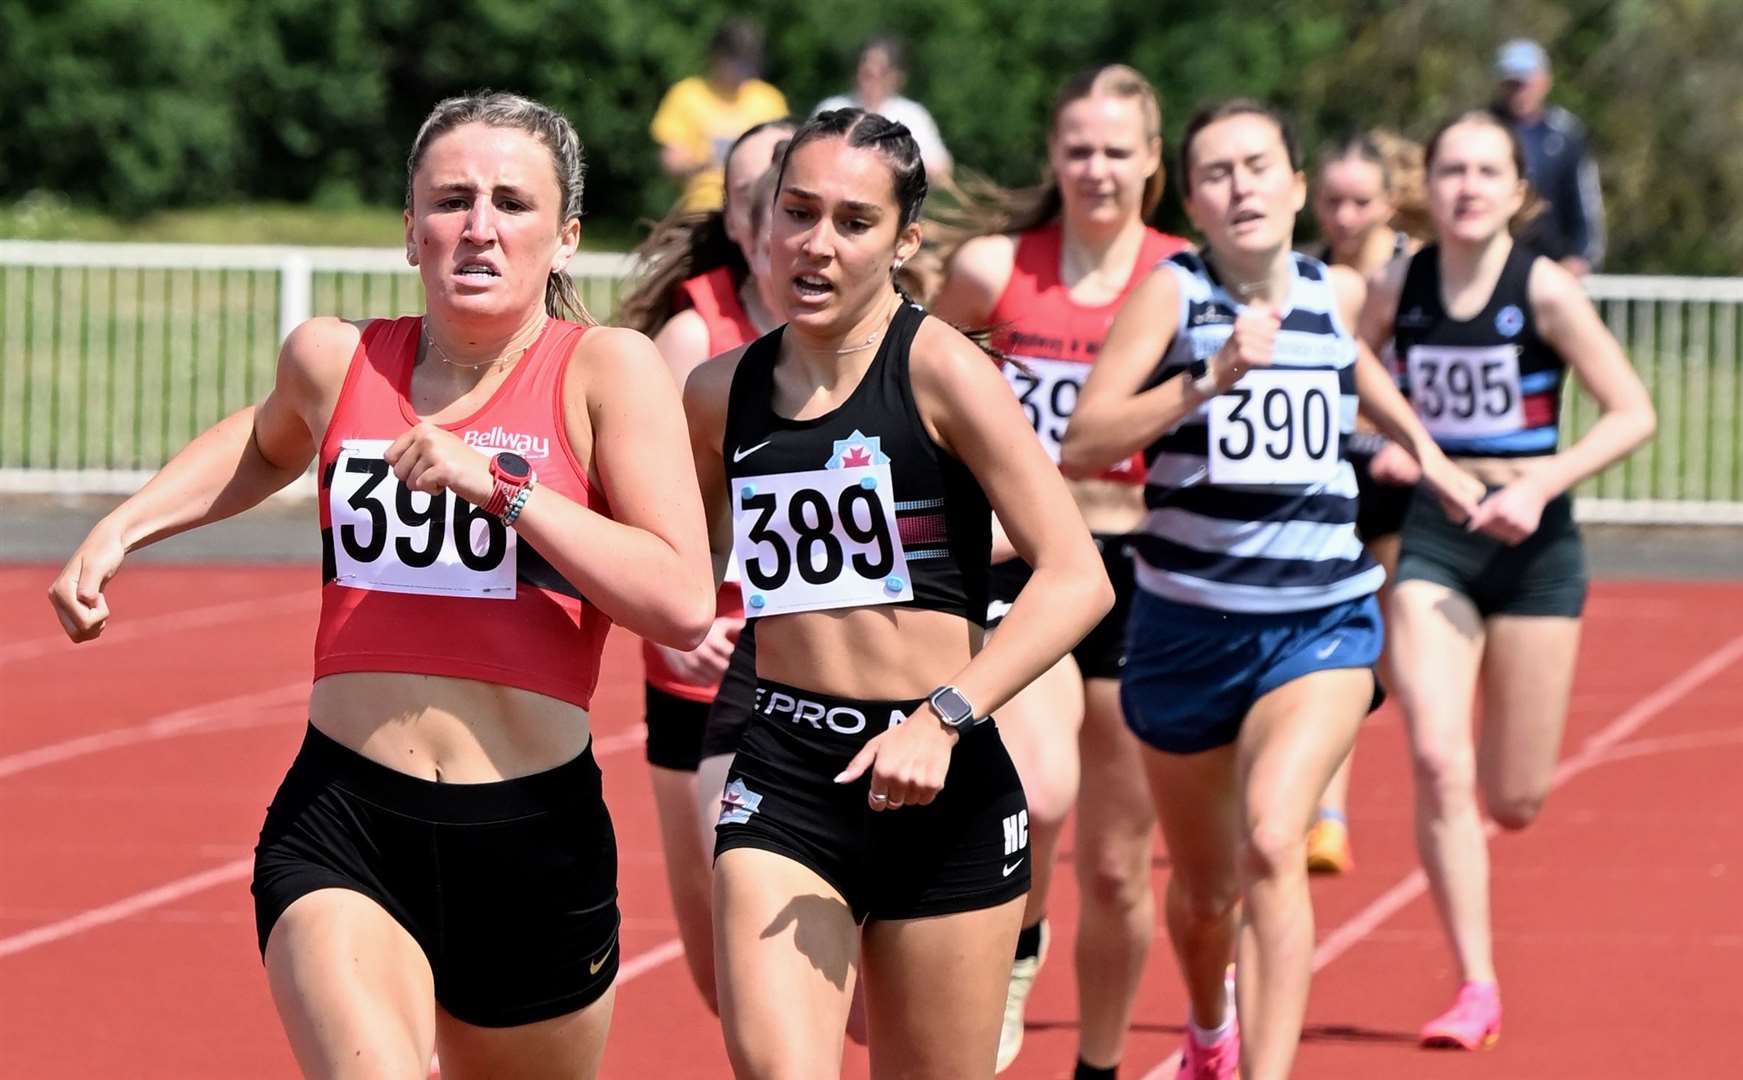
874 335
442 355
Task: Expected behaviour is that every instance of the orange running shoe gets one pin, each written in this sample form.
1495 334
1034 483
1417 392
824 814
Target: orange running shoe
1328 846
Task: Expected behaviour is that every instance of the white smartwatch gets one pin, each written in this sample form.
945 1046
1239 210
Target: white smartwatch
953 709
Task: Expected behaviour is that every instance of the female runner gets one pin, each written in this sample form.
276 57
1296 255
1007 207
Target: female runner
860 451
699 296
1485 331
438 870
1047 273
1370 209
1255 631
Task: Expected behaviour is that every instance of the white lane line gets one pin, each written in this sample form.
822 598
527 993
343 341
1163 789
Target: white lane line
235 870
1593 751
243 710
154 625
642 963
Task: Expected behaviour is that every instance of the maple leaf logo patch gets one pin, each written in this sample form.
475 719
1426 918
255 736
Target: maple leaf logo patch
857 451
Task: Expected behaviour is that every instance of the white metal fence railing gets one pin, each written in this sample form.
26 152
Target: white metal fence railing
113 355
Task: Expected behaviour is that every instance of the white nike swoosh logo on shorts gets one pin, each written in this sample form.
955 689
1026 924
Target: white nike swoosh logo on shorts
740 454
1329 649
1009 870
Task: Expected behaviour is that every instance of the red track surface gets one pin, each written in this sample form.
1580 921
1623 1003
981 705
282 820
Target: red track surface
134 774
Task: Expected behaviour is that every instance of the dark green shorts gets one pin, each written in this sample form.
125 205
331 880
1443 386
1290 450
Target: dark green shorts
1544 575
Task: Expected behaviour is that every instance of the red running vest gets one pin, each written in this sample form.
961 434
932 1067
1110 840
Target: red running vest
1036 322
714 296
431 585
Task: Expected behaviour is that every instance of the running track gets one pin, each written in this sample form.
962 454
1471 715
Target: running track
134 773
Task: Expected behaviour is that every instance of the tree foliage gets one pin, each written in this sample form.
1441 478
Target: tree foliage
131 107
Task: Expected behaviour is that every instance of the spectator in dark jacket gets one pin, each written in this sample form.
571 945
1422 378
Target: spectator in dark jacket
1557 160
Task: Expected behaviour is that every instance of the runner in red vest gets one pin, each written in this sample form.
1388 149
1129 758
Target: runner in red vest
497 485
699 295
1048 274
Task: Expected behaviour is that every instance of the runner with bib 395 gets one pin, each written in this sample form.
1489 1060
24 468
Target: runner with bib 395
1487 330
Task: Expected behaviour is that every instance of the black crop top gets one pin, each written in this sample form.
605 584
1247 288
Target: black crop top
854 508
1487 386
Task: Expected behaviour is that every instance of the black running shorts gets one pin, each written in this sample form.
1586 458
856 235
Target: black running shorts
1543 575
966 850
509 887
1102 652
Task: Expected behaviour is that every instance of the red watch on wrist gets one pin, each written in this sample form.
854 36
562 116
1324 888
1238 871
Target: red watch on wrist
511 473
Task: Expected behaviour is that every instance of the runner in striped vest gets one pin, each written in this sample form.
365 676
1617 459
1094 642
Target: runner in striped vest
1254 633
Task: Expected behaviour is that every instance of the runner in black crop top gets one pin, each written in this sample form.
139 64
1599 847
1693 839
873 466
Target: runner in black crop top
942 518
858 487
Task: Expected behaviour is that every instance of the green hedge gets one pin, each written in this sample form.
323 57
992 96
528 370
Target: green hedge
131 107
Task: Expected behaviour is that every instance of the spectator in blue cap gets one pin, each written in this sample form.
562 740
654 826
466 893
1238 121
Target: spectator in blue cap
1557 160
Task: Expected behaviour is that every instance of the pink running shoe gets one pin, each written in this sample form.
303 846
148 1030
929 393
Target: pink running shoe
1473 1023
1219 1061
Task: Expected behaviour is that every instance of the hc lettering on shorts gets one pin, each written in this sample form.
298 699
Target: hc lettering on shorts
840 719
738 803
1016 832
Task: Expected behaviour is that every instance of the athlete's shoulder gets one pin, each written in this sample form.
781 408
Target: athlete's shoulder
1388 281
942 354
319 350
710 383
1346 284
1551 287
975 279
986 260
603 355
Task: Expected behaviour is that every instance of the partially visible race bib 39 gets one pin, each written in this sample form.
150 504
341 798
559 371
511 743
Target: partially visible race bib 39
393 539
816 540
1465 392
1048 391
1276 426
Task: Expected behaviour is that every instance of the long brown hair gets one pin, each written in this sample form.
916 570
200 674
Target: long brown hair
1533 204
543 123
986 208
682 245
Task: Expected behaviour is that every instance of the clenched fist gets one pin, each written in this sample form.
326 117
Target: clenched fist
1250 345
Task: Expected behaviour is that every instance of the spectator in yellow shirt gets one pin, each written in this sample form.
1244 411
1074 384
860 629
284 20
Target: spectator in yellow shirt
699 117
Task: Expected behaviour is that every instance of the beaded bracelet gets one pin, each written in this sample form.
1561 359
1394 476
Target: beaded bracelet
518 503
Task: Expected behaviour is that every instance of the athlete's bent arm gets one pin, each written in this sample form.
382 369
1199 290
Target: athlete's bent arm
1567 321
646 566
1381 403
226 469
705 401
1116 414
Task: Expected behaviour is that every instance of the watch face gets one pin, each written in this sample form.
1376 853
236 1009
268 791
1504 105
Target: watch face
952 706
513 466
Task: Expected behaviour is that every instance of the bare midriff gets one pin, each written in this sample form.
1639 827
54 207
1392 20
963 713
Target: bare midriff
872 653
455 731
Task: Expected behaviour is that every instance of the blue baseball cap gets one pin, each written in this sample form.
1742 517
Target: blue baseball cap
1520 59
